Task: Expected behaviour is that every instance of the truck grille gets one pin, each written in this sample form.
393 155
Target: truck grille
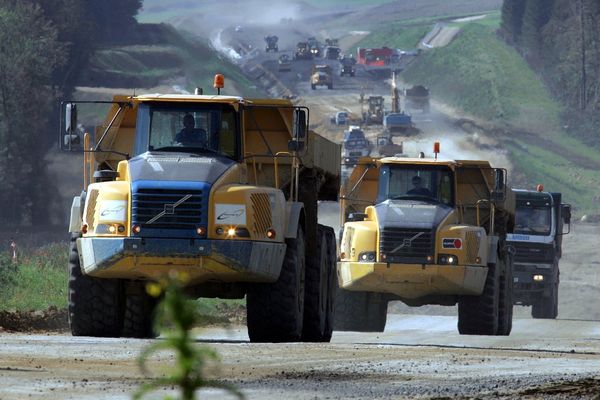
167 212
401 245
533 252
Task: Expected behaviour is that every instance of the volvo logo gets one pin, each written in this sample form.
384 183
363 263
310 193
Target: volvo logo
407 242
169 209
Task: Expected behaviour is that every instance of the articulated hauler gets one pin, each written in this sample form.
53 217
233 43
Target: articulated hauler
220 188
426 231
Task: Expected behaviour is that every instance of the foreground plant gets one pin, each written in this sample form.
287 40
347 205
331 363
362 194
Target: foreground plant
177 316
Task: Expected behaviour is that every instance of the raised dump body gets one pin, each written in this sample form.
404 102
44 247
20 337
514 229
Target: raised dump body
220 188
426 231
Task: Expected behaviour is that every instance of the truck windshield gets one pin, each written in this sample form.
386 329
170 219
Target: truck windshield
412 182
533 221
198 129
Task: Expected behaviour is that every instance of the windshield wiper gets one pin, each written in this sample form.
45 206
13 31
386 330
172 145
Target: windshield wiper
415 197
191 149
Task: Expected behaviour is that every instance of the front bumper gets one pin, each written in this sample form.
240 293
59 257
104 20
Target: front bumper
411 281
202 260
525 289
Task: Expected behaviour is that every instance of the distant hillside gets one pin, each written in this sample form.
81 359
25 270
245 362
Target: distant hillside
487 79
159 55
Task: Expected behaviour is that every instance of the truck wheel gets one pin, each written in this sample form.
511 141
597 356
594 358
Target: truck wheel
330 86
331 282
313 87
275 310
505 306
317 303
546 307
95 305
478 315
138 321
360 311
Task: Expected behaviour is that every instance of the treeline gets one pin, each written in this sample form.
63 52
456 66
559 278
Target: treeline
561 40
44 45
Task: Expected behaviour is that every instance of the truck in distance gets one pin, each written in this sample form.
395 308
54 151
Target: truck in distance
271 43
417 98
541 220
302 52
219 188
355 145
321 75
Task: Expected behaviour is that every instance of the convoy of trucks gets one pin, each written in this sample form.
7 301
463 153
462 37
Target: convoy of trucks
220 188
225 189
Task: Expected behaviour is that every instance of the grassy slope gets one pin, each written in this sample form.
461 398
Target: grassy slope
487 79
169 57
398 35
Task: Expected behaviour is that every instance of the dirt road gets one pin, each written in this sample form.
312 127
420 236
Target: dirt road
416 356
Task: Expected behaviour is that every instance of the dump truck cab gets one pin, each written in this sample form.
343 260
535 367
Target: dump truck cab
541 220
426 231
222 190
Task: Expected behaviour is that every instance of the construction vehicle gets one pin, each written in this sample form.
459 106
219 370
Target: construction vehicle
426 231
387 148
271 43
397 122
348 64
417 98
314 46
379 61
355 145
332 42
321 75
375 111
541 220
284 64
332 52
229 203
302 52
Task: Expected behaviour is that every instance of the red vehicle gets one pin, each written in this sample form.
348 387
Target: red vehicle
378 59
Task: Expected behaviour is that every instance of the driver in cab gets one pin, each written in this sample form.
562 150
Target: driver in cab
190 135
418 188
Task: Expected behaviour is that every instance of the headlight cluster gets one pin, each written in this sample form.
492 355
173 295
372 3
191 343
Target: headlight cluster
366 256
110 229
447 259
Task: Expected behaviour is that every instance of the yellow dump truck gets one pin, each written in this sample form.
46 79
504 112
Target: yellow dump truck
220 188
426 231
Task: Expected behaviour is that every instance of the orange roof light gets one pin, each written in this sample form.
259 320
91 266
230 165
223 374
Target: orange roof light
539 188
436 149
219 81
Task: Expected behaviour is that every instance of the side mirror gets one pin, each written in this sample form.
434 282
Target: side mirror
566 217
356 217
70 137
499 192
300 123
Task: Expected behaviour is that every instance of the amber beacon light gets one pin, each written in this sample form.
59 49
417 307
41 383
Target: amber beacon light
219 82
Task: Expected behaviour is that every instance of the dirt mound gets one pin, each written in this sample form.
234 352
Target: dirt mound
51 319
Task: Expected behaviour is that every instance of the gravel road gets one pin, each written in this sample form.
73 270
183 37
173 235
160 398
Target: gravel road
417 356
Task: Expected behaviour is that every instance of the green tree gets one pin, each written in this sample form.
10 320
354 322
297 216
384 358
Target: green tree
29 53
512 19
536 14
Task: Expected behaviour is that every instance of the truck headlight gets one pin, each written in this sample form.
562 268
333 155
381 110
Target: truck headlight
110 229
538 278
366 256
447 259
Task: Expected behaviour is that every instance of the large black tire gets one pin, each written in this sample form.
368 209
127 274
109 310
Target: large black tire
360 311
138 320
546 307
275 310
95 305
317 299
505 306
332 283
478 315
